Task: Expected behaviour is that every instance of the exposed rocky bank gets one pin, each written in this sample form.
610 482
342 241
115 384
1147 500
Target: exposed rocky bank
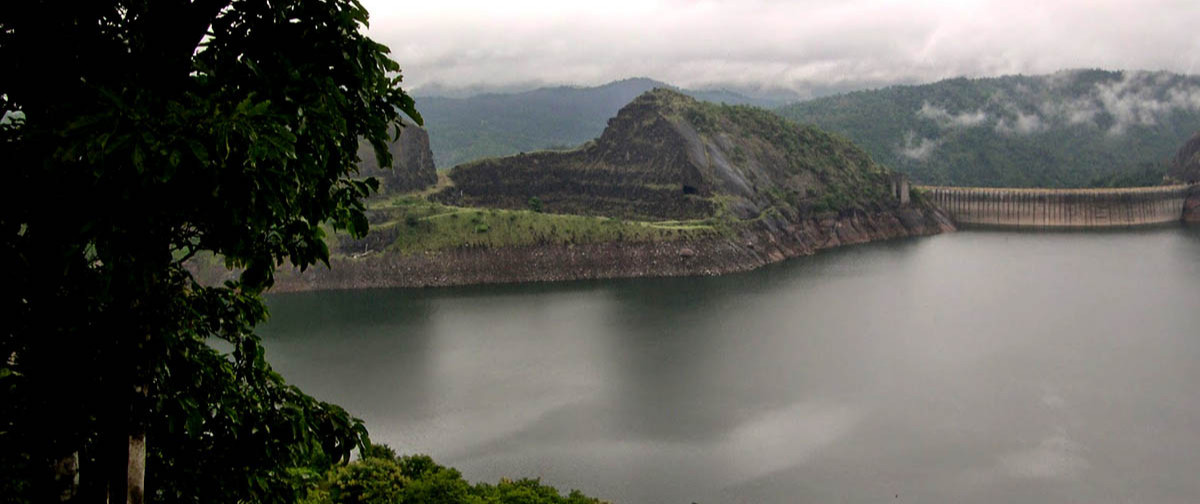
1187 169
751 189
749 249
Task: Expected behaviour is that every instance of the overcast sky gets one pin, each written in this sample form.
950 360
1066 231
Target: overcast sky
776 43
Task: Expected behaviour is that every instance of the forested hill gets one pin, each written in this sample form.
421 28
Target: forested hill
1073 128
669 156
488 125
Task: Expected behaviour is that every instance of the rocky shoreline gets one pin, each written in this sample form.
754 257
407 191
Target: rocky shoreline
766 242
1191 206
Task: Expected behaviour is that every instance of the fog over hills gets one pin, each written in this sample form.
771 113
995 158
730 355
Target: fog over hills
1071 128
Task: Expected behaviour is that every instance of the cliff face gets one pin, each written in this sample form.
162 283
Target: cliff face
1187 161
412 162
668 156
1187 168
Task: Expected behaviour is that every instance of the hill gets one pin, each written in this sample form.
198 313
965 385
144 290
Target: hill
673 186
499 124
668 156
1071 129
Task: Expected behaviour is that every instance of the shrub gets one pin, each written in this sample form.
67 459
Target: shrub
380 477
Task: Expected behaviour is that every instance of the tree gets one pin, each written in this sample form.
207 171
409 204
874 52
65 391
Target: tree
379 476
137 134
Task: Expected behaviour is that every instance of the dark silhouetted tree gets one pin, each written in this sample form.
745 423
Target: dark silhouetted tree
138 134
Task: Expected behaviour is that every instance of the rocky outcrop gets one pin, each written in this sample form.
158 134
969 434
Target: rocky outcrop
767 243
412 162
1191 206
668 156
1186 168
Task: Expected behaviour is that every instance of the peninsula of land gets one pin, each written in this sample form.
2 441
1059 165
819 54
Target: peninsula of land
674 187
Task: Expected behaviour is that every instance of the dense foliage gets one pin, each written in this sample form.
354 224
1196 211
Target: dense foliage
488 125
380 477
1070 129
166 129
840 176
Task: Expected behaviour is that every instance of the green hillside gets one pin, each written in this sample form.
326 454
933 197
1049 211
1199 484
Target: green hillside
667 167
669 156
1069 129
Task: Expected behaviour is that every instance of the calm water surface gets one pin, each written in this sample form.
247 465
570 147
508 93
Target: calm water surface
980 366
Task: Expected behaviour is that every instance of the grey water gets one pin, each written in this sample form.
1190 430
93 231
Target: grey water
978 366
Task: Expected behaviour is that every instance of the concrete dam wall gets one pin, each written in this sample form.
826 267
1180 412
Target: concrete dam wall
1063 208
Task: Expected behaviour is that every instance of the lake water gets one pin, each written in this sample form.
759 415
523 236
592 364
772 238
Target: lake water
979 366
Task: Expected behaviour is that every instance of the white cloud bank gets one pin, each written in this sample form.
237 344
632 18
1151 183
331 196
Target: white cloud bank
917 149
947 120
775 43
1137 99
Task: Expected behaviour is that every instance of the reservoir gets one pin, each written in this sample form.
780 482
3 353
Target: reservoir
978 366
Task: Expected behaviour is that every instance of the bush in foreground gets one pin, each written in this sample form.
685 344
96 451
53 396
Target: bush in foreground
380 477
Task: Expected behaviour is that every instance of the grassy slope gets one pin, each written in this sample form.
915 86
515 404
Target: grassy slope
796 169
418 225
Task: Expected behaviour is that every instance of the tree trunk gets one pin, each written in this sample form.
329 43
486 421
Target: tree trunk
136 470
66 477
117 463
139 413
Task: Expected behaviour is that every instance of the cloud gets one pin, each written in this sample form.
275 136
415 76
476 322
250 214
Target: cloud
798 45
1134 99
1142 99
1021 124
1073 112
947 120
917 150
1055 457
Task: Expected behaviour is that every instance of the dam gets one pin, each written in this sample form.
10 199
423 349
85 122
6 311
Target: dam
1060 208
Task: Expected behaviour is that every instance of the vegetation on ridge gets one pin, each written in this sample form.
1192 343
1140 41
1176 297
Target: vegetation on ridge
411 224
666 156
1069 129
381 477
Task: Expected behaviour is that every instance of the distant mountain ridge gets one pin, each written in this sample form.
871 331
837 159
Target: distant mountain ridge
1074 128
500 124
